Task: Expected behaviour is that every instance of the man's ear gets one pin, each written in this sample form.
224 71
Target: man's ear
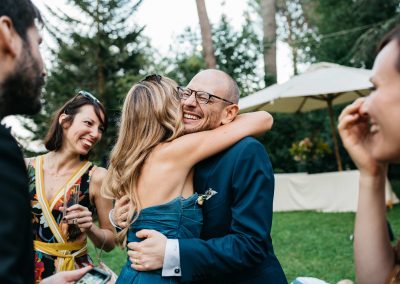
229 113
10 41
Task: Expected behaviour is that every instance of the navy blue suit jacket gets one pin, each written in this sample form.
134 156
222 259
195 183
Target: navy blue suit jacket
235 246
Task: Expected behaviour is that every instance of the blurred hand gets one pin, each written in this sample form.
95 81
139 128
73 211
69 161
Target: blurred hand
355 133
149 253
66 277
120 213
80 216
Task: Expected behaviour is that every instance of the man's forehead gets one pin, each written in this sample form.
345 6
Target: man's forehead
209 85
201 86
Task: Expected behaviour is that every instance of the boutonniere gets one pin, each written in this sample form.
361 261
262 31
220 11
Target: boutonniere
206 195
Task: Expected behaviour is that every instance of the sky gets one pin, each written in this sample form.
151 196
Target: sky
165 19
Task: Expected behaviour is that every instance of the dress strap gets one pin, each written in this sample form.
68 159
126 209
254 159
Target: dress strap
70 183
44 204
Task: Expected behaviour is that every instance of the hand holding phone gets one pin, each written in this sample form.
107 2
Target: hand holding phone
94 276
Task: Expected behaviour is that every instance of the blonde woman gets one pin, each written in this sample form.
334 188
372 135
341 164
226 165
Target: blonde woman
152 162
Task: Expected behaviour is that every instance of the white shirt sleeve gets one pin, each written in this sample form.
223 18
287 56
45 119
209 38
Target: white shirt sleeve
172 262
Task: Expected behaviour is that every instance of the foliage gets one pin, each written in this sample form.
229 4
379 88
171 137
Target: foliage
309 150
343 32
186 58
293 27
237 53
347 32
102 52
289 128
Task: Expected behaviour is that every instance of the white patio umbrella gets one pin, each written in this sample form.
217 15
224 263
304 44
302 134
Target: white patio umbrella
321 86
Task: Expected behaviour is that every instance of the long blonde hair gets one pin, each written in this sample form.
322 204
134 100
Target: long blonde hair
151 115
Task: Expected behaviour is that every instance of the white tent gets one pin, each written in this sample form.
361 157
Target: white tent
321 86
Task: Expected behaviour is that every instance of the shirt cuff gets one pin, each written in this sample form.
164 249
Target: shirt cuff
110 217
172 261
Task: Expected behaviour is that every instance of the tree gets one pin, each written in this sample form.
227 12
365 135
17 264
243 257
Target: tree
347 32
339 31
236 52
293 26
269 41
206 35
102 53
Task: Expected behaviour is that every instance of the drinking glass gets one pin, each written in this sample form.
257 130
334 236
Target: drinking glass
71 197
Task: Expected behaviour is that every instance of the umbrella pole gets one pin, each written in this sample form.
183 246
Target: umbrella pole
335 141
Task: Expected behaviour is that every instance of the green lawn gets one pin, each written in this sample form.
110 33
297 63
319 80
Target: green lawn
306 243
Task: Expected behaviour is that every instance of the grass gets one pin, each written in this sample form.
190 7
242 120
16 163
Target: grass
114 259
314 244
306 243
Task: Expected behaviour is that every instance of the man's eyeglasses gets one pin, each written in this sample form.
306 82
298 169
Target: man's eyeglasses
88 96
201 97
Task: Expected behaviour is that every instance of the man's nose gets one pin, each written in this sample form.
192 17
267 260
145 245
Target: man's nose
191 101
44 72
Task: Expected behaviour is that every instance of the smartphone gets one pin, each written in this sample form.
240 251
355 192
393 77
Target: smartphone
94 276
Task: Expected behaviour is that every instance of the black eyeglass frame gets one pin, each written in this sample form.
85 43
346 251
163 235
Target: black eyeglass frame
182 89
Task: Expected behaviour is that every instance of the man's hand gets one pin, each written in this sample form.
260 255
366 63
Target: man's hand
149 253
66 277
120 212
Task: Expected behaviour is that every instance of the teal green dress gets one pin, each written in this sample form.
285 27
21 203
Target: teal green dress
177 219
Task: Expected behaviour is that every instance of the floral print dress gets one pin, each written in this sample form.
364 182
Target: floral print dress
46 264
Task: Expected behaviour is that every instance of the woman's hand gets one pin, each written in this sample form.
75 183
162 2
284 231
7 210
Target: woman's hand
120 212
355 133
80 216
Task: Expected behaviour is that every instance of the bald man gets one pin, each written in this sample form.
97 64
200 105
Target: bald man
235 244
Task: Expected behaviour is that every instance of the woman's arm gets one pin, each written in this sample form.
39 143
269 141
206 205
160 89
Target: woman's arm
104 234
103 207
194 147
374 256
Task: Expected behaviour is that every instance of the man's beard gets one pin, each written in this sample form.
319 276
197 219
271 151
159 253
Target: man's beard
20 91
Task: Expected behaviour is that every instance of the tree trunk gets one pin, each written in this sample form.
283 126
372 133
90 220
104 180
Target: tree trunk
268 10
291 37
205 28
100 85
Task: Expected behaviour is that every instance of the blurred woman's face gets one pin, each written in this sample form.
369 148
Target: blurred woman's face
84 132
383 105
